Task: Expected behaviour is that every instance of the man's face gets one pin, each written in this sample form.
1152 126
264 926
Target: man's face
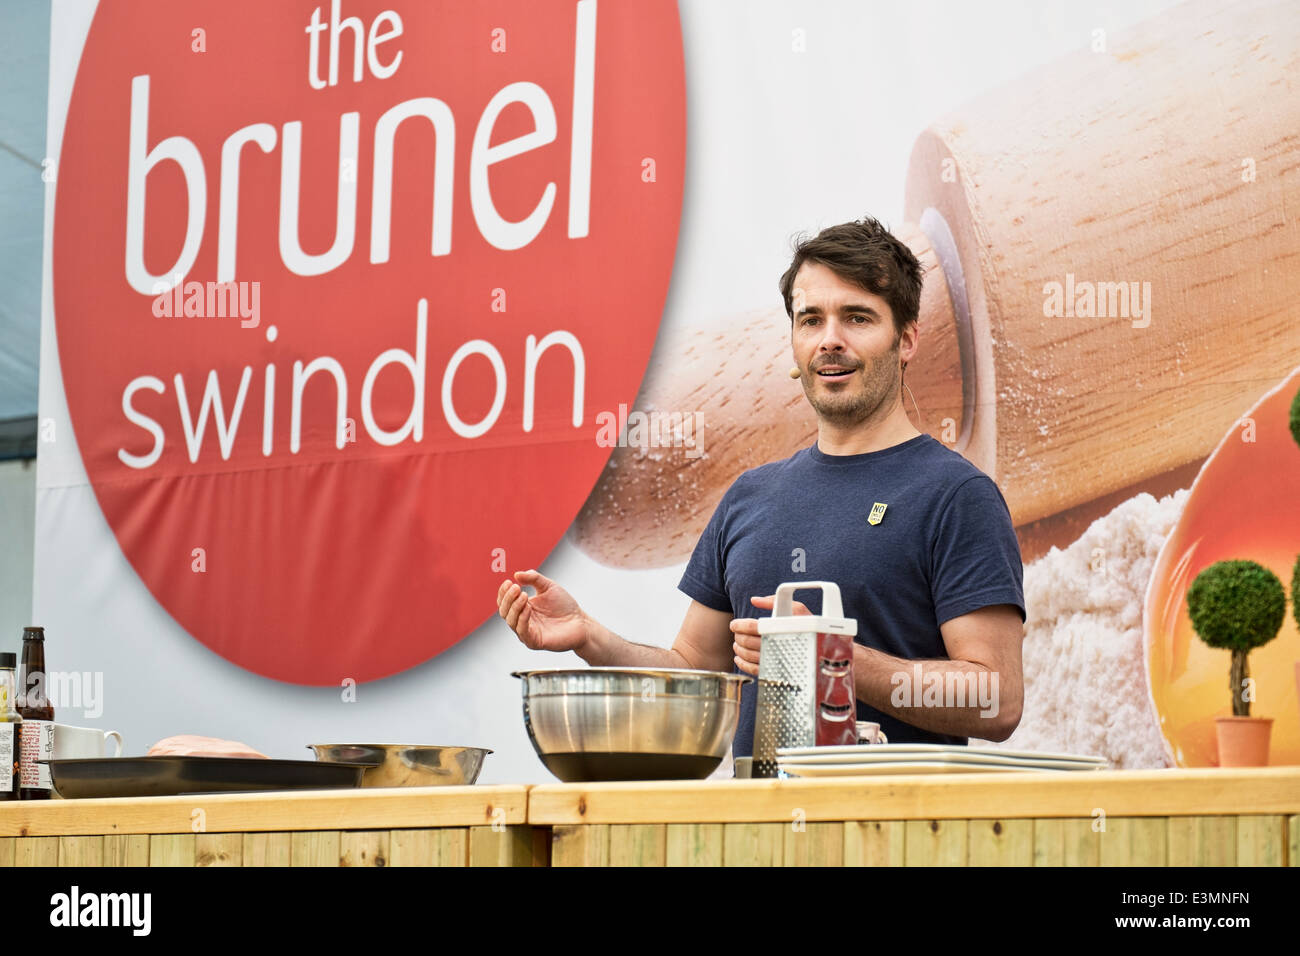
845 345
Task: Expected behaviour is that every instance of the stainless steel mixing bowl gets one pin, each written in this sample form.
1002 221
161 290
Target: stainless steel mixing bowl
615 723
407 765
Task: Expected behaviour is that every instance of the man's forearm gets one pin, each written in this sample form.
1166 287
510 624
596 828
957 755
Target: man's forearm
604 648
944 696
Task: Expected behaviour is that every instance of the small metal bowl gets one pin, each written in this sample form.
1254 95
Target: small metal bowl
407 765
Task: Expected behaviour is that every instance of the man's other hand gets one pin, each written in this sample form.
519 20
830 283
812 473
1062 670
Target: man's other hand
746 641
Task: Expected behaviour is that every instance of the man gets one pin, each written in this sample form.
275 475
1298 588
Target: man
919 540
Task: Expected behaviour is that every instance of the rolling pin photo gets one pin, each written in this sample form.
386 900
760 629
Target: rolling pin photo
1110 283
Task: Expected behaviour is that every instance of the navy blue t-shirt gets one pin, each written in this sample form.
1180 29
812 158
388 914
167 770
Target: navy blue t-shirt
944 547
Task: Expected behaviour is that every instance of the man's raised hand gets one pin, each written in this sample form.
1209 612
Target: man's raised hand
549 620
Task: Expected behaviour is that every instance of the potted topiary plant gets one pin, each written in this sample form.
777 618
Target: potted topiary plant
1295 593
1238 606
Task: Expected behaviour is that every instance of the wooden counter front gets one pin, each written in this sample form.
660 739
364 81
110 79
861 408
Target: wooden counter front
1248 817
1117 817
416 826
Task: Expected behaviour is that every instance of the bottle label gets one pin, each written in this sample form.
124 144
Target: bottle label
8 755
37 744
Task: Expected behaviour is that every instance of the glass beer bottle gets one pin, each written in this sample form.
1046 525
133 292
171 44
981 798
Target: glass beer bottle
37 734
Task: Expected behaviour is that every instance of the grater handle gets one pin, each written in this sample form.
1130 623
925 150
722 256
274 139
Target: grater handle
831 607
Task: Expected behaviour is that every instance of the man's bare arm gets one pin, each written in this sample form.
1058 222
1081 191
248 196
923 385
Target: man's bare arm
978 692
703 643
551 620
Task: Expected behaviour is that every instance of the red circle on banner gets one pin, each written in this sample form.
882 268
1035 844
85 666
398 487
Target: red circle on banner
458 316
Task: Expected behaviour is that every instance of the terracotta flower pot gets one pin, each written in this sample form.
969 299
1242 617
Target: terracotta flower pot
1243 741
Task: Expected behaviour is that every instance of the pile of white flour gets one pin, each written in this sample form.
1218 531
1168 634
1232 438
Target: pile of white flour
1084 656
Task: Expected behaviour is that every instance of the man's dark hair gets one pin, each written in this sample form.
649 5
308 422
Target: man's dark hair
866 254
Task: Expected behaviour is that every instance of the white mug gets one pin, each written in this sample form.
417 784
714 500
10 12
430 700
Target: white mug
83 743
869 732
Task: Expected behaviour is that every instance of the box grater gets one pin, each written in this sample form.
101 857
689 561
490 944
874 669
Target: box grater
805 677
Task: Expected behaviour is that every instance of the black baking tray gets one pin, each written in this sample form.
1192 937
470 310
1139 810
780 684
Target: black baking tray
170 776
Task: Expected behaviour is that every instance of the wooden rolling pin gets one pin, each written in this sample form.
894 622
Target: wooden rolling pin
1166 161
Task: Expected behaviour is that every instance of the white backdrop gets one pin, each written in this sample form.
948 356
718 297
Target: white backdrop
779 141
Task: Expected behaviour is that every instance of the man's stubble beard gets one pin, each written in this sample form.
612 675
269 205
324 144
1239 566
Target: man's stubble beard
883 380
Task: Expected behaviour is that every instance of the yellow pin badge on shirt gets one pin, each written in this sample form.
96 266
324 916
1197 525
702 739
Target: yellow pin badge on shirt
877 513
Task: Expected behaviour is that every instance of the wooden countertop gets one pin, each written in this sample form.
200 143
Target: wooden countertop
1119 793
380 808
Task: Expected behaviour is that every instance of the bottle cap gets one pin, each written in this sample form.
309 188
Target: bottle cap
8 660
33 634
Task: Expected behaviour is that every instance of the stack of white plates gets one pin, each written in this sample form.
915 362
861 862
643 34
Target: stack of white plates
923 758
